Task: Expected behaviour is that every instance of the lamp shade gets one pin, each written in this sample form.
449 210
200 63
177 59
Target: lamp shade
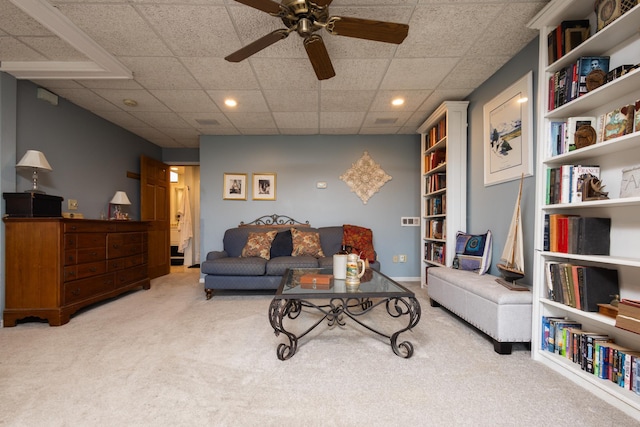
120 198
34 159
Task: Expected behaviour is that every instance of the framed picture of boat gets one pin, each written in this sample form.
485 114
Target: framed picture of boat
508 133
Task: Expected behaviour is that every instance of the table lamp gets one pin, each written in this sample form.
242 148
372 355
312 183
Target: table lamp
37 161
120 198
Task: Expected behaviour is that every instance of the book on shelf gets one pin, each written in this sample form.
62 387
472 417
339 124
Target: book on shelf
593 236
576 235
566 37
618 122
587 64
434 159
627 323
578 174
629 308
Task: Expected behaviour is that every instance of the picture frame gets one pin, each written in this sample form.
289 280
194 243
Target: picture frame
264 186
235 186
508 133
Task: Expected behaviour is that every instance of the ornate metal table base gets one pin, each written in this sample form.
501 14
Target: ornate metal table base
333 312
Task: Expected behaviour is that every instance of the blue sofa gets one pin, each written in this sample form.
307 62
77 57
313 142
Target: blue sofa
226 269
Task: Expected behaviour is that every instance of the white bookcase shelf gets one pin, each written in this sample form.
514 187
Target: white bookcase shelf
444 131
620 40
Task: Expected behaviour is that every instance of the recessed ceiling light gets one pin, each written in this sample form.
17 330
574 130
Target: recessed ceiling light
397 102
523 100
130 102
230 102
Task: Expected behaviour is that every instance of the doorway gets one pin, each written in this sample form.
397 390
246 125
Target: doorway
184 215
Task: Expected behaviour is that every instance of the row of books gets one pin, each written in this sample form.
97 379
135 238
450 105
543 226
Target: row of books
436 205
436 182
562 137
434 159
436 229
435 252
566 36
570 82
579 286
565 183
436 133
596 353
573 234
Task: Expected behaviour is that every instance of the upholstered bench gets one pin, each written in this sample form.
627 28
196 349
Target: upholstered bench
503 314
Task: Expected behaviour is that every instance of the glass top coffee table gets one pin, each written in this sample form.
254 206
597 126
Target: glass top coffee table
338 301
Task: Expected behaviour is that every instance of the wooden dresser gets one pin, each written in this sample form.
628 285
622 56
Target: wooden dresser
56 266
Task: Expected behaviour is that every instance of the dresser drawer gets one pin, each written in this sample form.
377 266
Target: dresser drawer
90 255
91 240
124 277
125 262
75 226
82 289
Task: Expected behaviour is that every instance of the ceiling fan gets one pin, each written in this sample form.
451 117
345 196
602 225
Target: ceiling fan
308 16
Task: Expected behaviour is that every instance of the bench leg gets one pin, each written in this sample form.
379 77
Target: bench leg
433 303
502 347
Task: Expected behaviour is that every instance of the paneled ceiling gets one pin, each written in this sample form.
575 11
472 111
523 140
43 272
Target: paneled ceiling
168 57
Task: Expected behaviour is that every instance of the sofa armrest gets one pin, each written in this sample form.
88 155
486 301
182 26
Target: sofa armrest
216 255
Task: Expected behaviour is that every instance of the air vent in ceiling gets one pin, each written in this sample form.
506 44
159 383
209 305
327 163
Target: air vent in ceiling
208 122
386 121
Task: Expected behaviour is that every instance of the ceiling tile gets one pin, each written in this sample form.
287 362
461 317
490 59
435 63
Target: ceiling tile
146 101
341 120
218 74
300 120
292 100
186 101
412 100
161 120
356 74
53 48
417 73
252 121
346 100
118 28
160 73
248 100
14 50
87 99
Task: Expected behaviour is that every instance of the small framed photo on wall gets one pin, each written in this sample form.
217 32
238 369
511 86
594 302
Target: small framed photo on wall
235 186
264 186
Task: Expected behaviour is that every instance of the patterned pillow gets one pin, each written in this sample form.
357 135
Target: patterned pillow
259 244
360 240
473 252
306 243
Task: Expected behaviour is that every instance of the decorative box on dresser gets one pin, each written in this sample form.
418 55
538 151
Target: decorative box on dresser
56 266
620 41
444 183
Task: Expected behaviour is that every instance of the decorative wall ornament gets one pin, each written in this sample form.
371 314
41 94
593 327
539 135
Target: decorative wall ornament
365 177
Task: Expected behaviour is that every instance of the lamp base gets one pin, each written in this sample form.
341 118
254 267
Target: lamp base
34 190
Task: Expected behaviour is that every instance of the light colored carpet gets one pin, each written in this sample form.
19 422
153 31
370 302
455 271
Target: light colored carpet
167 356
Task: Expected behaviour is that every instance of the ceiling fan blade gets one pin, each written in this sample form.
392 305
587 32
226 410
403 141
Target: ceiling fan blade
257 46
367 29
319 57
264 5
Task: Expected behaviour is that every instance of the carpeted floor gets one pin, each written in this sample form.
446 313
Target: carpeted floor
167 356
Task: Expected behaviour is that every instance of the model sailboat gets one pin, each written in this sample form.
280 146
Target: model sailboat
511 263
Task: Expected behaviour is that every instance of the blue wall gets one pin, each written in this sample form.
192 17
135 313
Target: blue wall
301 161
491 208
90 156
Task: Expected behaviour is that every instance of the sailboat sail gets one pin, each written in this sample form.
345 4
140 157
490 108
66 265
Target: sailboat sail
511 263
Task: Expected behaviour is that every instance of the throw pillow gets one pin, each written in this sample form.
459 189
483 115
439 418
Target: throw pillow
306 243
282 244
259 244
473 252
360 240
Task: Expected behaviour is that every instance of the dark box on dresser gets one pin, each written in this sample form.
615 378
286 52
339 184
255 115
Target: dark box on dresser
32 205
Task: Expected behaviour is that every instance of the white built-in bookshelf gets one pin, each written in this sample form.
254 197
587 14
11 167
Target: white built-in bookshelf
444 183
620 40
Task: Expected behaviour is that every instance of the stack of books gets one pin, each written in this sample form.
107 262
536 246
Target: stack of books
628 317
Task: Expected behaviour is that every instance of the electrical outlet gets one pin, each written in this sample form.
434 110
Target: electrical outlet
395 258
402 258
73 204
